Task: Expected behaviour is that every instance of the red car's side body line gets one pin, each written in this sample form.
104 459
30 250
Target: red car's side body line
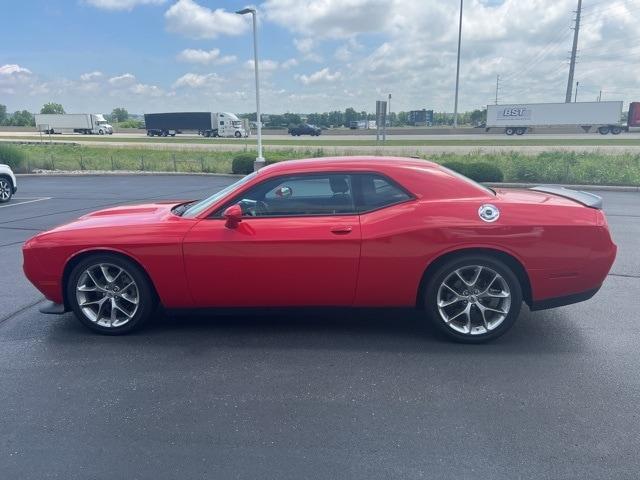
373 259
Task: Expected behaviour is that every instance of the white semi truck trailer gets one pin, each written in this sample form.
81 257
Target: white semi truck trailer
85 123
603 117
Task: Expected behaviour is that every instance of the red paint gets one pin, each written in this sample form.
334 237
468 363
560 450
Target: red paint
373 259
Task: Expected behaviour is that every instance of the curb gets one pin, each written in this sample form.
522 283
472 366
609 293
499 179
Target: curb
106 173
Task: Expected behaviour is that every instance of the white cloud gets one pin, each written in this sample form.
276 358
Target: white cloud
86 77
13 69
195 80
291 62
122 80
204 57
321 76
122 4
331 18
192 20
307 47
266 66
147 90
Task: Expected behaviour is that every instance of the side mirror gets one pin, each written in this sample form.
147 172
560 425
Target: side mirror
233 216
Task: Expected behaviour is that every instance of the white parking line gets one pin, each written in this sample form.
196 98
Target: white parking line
26 200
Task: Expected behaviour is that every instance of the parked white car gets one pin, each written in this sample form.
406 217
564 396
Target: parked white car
8 183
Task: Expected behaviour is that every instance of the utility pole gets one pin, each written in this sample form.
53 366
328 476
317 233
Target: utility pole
455 107
574 50
575 99
497 86
600 96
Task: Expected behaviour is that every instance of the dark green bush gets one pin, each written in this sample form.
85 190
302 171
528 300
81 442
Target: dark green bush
13 156
459 167
478 171
484 172
242 164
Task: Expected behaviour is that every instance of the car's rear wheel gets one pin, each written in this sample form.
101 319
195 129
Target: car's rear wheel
473 298
110 294
6 189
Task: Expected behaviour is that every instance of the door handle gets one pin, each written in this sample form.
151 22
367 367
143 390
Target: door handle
341 229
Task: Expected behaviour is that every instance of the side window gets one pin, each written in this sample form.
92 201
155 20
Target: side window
300 195
376 191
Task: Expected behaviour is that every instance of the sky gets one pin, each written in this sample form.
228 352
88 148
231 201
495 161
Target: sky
315 55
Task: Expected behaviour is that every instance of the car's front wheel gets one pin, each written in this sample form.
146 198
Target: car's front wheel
110 294
473 298
6 189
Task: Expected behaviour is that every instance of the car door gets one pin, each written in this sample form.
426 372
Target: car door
298 243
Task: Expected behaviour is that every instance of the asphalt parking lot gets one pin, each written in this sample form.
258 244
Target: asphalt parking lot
366 394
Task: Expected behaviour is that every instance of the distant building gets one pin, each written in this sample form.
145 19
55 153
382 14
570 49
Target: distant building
421 118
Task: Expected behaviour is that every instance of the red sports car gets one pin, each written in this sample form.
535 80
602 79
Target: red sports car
346 232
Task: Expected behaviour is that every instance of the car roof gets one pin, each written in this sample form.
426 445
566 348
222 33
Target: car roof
323 164
412 173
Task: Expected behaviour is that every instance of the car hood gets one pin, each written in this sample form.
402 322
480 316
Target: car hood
122 216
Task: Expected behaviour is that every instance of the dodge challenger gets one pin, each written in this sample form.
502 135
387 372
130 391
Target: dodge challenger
332 232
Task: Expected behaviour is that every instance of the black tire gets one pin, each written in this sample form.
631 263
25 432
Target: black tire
489 264
237 135
603 130
520 131
509 130
616 130
146 296
164 134
100 132
149 134
6 189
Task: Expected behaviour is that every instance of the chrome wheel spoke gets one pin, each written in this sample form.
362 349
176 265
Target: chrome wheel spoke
100 285
485 289
443 303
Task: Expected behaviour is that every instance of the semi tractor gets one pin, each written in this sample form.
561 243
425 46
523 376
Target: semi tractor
603 117
85 123
207 124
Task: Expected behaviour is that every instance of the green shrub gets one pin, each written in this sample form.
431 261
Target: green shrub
13 156
478 171
459 167
484 172
130 124
242 164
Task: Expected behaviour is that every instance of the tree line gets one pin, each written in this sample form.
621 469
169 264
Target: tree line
337 118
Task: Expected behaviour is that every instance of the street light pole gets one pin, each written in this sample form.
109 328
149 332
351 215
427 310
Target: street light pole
259 163
455 107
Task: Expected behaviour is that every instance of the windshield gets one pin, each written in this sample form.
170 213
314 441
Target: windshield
236 124
202 205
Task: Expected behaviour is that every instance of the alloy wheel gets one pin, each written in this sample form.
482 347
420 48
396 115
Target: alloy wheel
5 190
107 295
474 300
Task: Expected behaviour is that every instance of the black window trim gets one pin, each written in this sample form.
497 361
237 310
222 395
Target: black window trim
218 213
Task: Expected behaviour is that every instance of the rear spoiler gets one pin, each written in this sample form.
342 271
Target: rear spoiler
585 198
